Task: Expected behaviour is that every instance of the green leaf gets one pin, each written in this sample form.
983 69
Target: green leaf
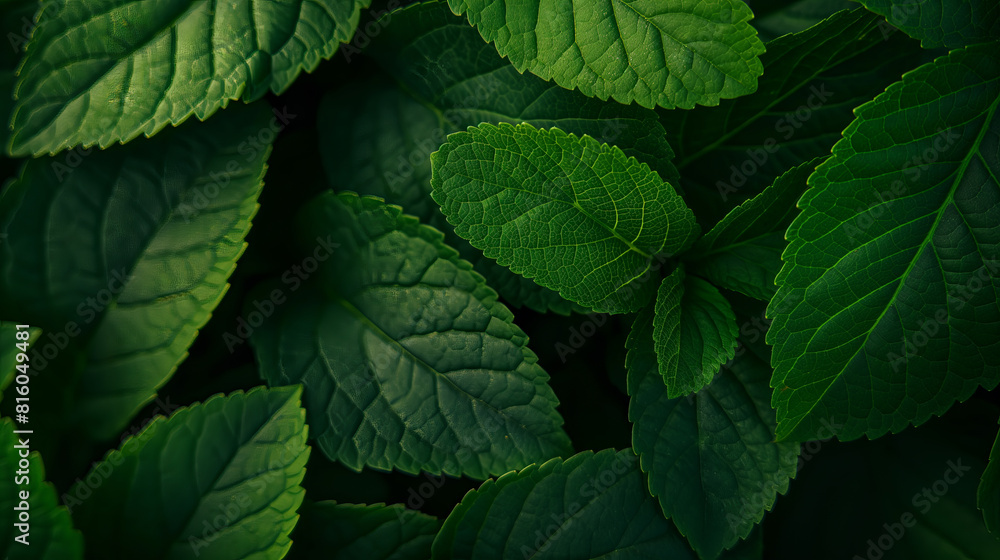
988 495
588 506
575 215
8 359
892 267
50 534
942 23
106 71
711 457
694 330
376 137
332 531
218 479
743 251
123 258
410 362
917 492
671 53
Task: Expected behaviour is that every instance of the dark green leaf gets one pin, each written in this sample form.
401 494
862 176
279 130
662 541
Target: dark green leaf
123 257
218 479
893 266
588 506
408 359
711 457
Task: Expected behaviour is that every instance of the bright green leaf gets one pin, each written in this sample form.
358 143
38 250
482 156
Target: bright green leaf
694 330
588 506
575 215
123 258
988 495
893 266
942 23
50 534
376 137
410 362
671 53
743 251
711 457
106 71
332 531
219 479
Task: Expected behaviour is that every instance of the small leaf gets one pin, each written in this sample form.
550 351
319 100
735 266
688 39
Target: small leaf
588 506
575 215
670 53
123 258
410 362
743 251
158 63
220 477
893 266
332 531
711 457
49 533
942 23
694 330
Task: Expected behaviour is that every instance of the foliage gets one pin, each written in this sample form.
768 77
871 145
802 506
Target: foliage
537 279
